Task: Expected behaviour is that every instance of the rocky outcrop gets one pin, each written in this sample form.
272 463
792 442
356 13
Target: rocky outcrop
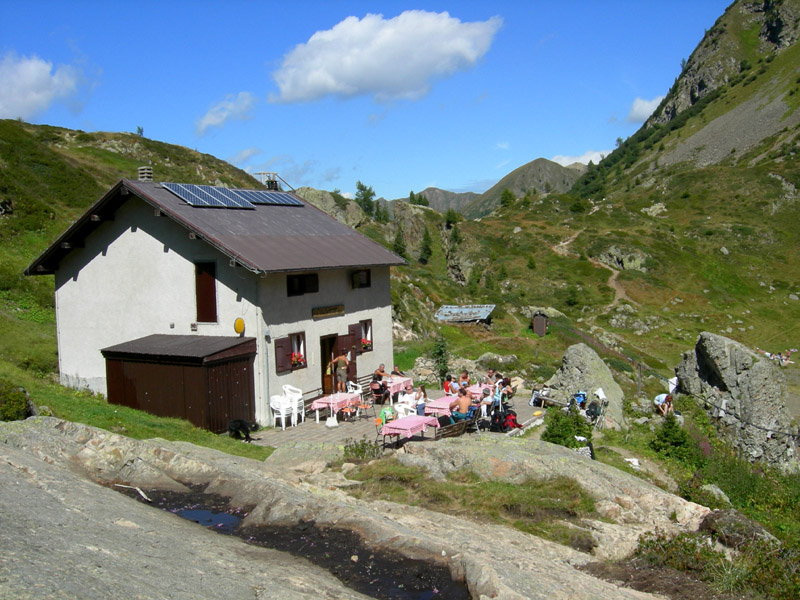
733 529
582 369
348 213
629 506
70 537
624 260
744 393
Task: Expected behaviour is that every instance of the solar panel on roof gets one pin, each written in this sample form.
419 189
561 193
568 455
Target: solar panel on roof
275 198
208 195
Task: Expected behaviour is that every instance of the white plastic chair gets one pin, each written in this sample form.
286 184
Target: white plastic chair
353 388
295 397
281 408
403 410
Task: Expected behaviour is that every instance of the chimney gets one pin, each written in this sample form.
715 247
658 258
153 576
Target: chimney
145 173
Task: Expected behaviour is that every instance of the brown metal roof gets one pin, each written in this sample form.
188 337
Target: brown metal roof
267 239
190 347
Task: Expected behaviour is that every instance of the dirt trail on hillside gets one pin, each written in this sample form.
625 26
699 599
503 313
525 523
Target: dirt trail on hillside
562 248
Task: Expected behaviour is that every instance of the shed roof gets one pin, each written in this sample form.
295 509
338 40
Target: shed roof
266 239
202 348
470 312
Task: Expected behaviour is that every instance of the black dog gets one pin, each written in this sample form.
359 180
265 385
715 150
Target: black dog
239 427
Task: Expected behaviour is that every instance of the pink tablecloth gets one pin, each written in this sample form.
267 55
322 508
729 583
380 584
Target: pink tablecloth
440 406
476 390
408 426
336 401
397 384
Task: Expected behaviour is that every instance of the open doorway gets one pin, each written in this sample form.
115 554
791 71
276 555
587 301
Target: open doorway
327 352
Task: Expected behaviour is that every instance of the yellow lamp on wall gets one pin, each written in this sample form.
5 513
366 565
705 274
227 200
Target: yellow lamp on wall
238 325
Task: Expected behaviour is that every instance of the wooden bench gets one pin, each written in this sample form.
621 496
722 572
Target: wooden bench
453 430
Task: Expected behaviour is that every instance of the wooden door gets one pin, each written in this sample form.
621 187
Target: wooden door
327 352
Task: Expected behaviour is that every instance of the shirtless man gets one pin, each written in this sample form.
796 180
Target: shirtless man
381 370
460 406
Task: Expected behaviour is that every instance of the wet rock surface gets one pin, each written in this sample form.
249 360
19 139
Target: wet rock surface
67 536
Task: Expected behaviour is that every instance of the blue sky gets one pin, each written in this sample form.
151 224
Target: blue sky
400 96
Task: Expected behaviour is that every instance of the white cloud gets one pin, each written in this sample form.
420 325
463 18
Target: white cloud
642 109
233 107
503 145
244 155
30 86
386 58
591 155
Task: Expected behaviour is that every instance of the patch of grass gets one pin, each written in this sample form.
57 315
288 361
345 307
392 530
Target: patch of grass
94 410
760 567
538 506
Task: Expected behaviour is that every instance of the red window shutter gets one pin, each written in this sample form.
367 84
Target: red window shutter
283 355
206 292
354 331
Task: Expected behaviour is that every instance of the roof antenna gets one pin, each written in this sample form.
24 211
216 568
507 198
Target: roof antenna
269 180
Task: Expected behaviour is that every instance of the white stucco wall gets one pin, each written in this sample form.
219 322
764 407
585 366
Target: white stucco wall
287 315
136 277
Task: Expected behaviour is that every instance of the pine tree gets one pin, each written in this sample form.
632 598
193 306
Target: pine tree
381 214
425 250
364 197
399 245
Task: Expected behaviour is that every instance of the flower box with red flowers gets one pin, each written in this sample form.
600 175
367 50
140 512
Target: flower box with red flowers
366 344
298 360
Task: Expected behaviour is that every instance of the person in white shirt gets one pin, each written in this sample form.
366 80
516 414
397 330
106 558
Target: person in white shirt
420 399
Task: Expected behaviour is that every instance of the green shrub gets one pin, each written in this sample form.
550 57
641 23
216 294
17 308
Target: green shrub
362 449
562 427
13 402
672 441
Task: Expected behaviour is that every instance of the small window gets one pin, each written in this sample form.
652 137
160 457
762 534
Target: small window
290 353
366 335
205 287
297 285
298 356
362 279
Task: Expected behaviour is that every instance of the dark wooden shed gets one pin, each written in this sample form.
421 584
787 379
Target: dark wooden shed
207 380
540 324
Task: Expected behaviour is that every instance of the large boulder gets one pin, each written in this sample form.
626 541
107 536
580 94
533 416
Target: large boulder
582 369
744 392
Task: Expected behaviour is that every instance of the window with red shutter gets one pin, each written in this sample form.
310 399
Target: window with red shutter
205 280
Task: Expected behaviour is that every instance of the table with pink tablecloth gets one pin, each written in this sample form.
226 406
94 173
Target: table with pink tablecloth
335 402
440 406
397 384
476 390
408 426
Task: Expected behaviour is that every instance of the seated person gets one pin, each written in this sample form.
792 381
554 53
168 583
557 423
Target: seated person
421 399
506 391
663 403
460 406
485 401
450 387
378 389
406 402
463 379
397 372
489 378
381 370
